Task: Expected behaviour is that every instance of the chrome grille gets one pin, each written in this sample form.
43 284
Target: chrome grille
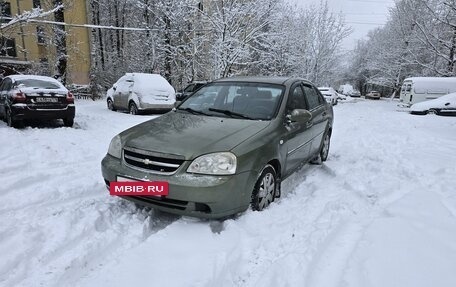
150 161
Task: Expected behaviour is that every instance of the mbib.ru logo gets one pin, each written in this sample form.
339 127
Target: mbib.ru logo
154 188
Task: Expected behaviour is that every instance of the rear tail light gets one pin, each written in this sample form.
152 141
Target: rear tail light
70 98
19 97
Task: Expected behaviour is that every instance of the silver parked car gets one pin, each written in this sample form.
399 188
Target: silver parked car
138 92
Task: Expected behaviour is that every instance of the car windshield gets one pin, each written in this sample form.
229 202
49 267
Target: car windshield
256 101
35 83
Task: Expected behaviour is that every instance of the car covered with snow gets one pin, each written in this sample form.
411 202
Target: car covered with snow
330 95
26 97
225 148
445 105
141 92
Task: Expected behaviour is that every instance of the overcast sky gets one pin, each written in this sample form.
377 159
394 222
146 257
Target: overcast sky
361 15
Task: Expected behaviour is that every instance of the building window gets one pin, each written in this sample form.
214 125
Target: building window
7 47
41 35
36 4
5 16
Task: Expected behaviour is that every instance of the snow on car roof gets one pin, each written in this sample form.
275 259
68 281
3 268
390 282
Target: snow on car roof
149 82
35 77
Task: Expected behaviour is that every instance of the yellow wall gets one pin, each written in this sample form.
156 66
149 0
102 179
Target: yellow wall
78 39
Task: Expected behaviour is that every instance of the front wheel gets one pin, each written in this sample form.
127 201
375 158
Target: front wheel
133 109
265 189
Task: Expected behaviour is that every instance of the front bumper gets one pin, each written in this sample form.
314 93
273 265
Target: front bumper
24 112
193 195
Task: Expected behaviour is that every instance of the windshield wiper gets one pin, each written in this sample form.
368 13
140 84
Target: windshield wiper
230 113
195 112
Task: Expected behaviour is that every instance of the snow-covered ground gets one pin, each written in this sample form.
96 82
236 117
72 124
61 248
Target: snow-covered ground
380 212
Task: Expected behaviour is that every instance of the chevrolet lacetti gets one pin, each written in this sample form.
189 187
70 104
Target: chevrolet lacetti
226 148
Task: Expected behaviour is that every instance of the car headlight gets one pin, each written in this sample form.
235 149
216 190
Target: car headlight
115 147
221 163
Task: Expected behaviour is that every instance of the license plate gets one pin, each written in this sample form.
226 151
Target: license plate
130 187
46 100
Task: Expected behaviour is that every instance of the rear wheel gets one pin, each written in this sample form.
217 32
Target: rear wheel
110 105
433 112
324 151
265 189
10 121
68 122
133 109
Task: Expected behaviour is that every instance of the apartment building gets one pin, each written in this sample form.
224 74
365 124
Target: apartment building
34 46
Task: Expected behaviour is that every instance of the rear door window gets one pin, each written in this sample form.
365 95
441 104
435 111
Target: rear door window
311 96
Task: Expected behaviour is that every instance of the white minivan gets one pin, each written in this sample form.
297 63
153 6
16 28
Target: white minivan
419 89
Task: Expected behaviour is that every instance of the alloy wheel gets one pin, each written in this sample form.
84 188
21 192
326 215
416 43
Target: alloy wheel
265 189
325 148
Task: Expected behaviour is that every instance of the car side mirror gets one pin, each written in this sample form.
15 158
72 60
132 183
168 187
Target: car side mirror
114 88
299 116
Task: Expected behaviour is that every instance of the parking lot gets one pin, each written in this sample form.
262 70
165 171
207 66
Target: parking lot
382 205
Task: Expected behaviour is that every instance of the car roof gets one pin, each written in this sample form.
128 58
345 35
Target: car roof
262 79
30 77
15 78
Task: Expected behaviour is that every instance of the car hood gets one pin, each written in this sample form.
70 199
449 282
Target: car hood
188 135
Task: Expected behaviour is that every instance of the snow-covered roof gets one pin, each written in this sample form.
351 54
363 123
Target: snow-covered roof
35 77
433 85
430 79
149 82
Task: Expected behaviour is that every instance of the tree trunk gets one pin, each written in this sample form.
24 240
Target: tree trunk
452 52
60 40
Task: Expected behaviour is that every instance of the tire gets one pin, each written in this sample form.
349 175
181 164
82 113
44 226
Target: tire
132 109
68 122
264 191
433 112
110 105
10 122
324 151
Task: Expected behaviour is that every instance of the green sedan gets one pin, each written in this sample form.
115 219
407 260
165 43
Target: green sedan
224 149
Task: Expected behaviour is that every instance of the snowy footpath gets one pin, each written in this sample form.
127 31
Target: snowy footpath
380 212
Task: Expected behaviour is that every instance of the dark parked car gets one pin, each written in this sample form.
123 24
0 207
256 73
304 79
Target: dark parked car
189 89
225 148
25 97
